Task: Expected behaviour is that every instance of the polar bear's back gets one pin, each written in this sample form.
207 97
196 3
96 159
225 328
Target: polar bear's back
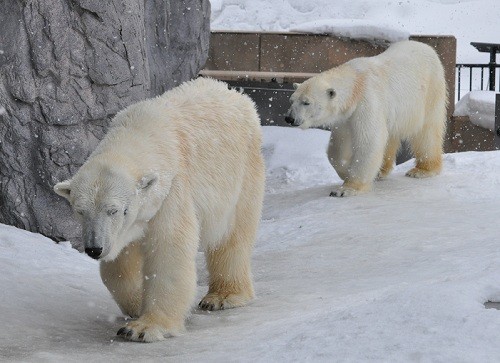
404 81
204 110
207 105
408 61
412 58
213 118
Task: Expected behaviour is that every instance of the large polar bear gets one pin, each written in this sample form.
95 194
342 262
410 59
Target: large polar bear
371 104
174 172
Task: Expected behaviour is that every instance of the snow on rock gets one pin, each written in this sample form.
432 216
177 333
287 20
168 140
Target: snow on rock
354 29
479 106
216 6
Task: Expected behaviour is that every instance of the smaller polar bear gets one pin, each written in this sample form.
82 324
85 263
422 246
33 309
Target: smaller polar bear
172 173
371 105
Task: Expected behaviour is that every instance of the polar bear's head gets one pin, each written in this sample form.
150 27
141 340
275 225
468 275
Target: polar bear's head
325 99
112 206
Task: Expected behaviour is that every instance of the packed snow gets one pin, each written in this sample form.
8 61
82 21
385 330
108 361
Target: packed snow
398 274
479 106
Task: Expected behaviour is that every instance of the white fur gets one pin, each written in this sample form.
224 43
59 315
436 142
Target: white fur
187 169
371 104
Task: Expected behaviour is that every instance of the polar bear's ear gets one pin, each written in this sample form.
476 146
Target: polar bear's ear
147 181
296 85
63 188
331 92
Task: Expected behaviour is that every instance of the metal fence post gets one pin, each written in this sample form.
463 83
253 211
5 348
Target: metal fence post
497 121
492 65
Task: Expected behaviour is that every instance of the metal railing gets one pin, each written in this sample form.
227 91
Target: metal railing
475 79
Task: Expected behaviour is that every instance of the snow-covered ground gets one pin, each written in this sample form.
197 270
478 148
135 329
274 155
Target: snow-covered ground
396 275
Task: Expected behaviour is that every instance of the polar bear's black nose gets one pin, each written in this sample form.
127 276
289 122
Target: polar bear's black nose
289 120
94 252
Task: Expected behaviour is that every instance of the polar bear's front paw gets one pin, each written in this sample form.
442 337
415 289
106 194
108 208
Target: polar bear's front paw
350 188
216 301
343 192
421 173
382 174
144 331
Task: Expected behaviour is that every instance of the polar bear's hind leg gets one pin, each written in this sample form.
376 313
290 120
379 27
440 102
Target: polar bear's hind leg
391 151
427 146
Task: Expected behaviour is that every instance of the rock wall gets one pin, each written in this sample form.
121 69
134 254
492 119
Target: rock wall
66 67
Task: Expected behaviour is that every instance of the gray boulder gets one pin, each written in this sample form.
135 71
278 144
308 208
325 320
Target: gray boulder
66 67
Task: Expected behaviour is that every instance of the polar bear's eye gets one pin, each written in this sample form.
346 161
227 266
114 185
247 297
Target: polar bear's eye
112 212
79 212
305 103
125 212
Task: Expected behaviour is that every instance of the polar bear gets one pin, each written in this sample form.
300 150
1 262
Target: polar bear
370 105
172 173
